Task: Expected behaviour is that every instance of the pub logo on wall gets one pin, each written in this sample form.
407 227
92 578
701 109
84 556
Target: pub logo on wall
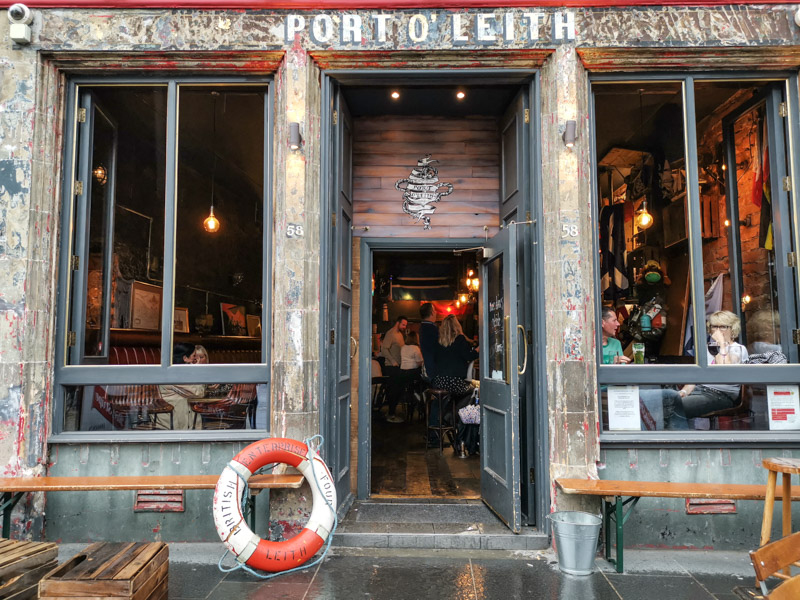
421 190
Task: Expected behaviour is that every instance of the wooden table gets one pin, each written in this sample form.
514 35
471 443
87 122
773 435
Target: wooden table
786 467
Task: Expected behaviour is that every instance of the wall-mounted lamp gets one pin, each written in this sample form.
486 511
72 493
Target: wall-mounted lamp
294 136
570 133
100 174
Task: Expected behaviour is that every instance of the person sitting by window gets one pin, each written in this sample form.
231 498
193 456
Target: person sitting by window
612 349
764 338
698 400
177 395
393 342
411 365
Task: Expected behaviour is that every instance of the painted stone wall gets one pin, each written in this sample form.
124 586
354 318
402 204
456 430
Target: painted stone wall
31 120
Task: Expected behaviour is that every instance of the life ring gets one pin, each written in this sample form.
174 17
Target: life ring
231 526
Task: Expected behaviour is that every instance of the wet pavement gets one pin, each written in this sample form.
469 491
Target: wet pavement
396 574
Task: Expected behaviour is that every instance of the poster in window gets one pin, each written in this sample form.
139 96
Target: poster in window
623 408
233 319
783 402
145 306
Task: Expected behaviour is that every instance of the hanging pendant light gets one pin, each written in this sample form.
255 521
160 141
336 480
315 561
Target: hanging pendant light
643 218
211 223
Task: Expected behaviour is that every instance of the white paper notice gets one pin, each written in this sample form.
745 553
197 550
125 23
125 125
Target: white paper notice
623 407
784 406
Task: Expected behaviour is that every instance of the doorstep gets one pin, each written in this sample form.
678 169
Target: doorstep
463 525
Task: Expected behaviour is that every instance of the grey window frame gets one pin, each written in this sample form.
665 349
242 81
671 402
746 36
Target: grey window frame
88 375
701 372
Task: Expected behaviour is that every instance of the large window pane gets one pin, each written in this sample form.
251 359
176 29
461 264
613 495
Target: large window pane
644 250
710 407
122 167
171 407
738 192
219 269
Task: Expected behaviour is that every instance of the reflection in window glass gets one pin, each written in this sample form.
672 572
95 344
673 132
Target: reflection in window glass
708 407
643 237
166 407
127 122
736 192
218 261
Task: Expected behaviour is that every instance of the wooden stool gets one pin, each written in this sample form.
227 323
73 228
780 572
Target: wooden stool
786 467
440 396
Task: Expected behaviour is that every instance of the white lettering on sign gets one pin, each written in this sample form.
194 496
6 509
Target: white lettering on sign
356 29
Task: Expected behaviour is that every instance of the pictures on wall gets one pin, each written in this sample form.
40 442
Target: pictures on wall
145 306
181 320
254 326
233 319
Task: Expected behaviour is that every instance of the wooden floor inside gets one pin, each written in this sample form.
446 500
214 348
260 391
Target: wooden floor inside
403 468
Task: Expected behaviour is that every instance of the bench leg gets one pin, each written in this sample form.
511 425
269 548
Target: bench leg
8 502
614 512
620 521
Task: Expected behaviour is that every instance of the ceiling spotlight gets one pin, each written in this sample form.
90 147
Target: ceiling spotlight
395 94
460 95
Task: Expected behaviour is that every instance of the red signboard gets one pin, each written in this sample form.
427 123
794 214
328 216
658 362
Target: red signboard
334 5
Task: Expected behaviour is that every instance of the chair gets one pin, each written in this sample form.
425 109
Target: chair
139 405
770 559
379 392
741 409
441 397
233 411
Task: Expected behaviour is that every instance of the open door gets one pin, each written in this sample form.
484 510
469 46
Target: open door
500 444
94 233
342 346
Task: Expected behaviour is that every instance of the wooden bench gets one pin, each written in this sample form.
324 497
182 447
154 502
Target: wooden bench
13 488
617 494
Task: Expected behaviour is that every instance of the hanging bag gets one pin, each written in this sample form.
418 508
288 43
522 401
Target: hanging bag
471 413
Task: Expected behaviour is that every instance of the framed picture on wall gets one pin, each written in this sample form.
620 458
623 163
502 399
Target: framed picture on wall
145 306
181 320
253 325
233 319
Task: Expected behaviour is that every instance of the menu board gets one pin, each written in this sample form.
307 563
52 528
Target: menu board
496 346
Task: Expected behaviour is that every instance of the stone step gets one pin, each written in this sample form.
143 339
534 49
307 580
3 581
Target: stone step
431 524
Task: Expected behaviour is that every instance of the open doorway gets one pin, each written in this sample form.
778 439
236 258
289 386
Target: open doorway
412 294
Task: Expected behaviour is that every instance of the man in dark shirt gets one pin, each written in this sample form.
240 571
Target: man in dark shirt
428 339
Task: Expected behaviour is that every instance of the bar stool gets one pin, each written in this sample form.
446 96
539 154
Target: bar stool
441 397
786 467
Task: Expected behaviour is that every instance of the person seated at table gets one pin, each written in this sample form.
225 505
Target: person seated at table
612 349
698 400
214 390
411 365
453 356
392 343
178 395
764 338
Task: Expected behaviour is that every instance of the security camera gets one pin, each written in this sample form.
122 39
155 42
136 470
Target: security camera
19 14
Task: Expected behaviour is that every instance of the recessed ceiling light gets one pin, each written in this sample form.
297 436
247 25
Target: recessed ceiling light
460 95
395 94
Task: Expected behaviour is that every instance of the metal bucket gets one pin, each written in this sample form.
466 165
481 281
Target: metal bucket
576 536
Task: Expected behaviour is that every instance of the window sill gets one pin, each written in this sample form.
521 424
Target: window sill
150 437
705 439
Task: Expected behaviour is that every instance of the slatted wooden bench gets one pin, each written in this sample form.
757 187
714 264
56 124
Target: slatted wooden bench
617 494
13 488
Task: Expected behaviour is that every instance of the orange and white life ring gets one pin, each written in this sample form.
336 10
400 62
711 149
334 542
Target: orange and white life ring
231 526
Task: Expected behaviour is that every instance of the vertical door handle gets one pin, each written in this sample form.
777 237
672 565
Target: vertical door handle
354 346
521 329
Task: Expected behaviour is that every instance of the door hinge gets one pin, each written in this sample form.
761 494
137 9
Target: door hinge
333 336
75 262
782 110
336 117
796 336
72 338
532 478
791 259
787 184
333 220
526 115
81 115
78 188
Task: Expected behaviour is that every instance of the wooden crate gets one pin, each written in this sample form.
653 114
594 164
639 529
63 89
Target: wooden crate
111 570
22 565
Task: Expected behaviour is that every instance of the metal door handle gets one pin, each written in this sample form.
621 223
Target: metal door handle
520 328
354 346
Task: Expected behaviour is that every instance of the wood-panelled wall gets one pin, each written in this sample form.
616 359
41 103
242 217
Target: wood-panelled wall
386 149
